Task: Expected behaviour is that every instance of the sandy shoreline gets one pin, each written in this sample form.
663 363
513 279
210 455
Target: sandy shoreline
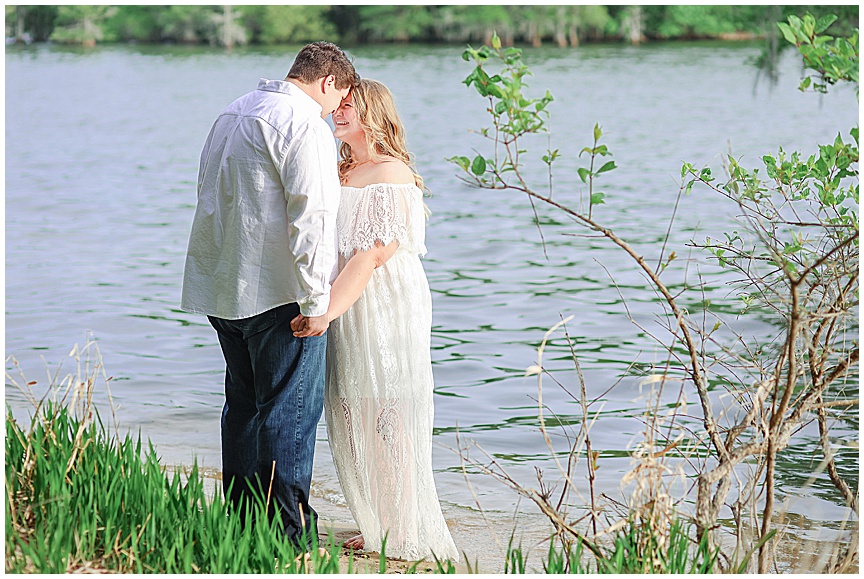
369 562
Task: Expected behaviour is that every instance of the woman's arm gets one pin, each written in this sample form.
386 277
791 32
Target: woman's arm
349 285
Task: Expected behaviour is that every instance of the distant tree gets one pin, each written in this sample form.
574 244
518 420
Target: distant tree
692 21
81 24
33 23
346 19
472 24
15 23
699 21
229 29
188 24
39 21
574 22
274 24
632 25
561 24
532 22
395 23
135 22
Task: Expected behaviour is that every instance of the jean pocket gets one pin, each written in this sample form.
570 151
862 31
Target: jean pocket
257 323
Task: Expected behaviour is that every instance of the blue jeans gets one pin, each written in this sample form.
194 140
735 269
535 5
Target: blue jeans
274 397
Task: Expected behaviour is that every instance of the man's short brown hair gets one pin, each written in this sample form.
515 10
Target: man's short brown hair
323 59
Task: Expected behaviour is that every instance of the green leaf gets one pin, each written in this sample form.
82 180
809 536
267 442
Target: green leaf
823 23
481 81
461 161
478 167
597 198
686 168
809 25
494 90
512 56
583 174
550 156
496 42
787 32
598 132
607 167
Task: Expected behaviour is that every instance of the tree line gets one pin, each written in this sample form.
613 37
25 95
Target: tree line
268 25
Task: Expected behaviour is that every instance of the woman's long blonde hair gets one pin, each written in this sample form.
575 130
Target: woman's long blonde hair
385 135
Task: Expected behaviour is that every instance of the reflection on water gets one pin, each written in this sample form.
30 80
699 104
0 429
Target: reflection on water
102 149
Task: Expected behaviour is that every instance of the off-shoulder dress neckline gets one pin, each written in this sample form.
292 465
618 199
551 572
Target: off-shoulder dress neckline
414 185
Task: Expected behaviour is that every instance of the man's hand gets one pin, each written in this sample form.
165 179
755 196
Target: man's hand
304 327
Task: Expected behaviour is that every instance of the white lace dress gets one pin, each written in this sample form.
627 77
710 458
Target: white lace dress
378 403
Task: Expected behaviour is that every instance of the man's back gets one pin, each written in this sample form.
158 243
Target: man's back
267 177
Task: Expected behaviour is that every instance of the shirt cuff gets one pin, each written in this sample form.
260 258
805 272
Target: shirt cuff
314 307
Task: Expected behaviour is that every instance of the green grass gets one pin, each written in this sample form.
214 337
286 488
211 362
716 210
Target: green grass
637 549
78 499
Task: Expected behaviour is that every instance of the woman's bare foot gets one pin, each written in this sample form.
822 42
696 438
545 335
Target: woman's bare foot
355 543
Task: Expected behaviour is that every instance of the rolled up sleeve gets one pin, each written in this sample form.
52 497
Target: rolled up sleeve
312 190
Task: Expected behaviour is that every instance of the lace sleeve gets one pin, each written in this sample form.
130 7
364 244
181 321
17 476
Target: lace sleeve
382 213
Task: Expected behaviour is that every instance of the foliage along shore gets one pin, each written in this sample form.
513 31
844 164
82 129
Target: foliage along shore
81 499
560 25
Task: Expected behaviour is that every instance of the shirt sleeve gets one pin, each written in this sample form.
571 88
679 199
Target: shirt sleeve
312 199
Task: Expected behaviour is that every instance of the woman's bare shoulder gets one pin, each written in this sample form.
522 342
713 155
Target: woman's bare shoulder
393 171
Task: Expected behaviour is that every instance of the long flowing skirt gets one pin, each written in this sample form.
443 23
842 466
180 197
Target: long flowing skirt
378 408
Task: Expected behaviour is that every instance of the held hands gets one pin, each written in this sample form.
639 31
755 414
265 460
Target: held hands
349 285
304 327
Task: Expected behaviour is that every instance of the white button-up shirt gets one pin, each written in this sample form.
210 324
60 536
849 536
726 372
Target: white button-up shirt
264 232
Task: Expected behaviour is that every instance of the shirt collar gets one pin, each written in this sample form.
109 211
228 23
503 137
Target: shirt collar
289 88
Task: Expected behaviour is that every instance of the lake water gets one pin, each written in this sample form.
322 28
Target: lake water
102 150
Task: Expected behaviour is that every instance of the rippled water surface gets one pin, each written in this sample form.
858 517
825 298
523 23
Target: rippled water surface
101 162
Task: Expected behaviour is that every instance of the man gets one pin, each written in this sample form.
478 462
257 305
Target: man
262 250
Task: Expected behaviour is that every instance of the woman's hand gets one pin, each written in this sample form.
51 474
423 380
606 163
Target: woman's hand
346 289
304 327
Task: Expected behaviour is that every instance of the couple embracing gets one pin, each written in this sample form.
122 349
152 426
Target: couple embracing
309 271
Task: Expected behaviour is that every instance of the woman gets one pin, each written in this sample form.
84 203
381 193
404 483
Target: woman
378 402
